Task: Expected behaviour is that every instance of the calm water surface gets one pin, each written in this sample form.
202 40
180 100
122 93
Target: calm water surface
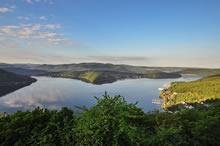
55 93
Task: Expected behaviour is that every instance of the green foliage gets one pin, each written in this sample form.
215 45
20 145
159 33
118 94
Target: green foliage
105 76
37 127
95 76
206 89
112 121
90 76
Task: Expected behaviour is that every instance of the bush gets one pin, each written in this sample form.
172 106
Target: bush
112 121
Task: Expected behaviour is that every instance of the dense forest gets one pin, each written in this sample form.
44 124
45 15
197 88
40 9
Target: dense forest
203 90
112 121
10 82
9 77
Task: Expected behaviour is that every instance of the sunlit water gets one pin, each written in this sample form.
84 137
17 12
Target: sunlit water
55 93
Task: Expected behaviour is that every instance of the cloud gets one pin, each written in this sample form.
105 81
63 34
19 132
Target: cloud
48 99
23 18
26 25
5 10
16 53
34 56
29 1
54 43
30 31
3 38
19 17
37 36
43 18
26 18
11 26
119 58
51 2
52 26
36 27
41 35
58 41
45 35
12 7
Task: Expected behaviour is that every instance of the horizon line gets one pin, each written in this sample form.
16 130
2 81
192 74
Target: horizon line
112 64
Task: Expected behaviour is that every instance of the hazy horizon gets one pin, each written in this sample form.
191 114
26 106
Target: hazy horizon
107 63
142 33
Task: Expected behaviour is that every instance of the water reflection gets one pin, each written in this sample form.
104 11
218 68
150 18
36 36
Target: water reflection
29 100
54 93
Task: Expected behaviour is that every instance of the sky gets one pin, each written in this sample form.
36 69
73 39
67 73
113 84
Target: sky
184 33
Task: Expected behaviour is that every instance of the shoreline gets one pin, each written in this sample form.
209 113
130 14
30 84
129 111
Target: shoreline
197 94
105 77
13 86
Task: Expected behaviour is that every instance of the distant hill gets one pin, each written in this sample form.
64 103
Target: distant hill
127 68
200 71
91 66
10 82
38 68
106 67
206 89
102 77
26 66
22 71
6 77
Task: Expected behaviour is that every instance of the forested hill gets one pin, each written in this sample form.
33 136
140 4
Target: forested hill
92 66
34 69
102 77
200 71
206 89
23 71
10 82
8 77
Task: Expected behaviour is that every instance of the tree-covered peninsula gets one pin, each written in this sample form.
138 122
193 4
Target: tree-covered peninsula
103 76
10 82
201 91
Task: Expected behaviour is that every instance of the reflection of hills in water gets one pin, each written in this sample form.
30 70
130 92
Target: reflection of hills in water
54 93
4 90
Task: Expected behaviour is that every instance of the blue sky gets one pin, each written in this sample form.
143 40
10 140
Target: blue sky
137 32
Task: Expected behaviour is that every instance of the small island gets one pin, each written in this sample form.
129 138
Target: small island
102 77
190 94
10 82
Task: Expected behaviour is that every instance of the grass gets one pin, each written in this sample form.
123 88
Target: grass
90 75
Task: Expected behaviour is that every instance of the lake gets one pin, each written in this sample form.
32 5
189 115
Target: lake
55 93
